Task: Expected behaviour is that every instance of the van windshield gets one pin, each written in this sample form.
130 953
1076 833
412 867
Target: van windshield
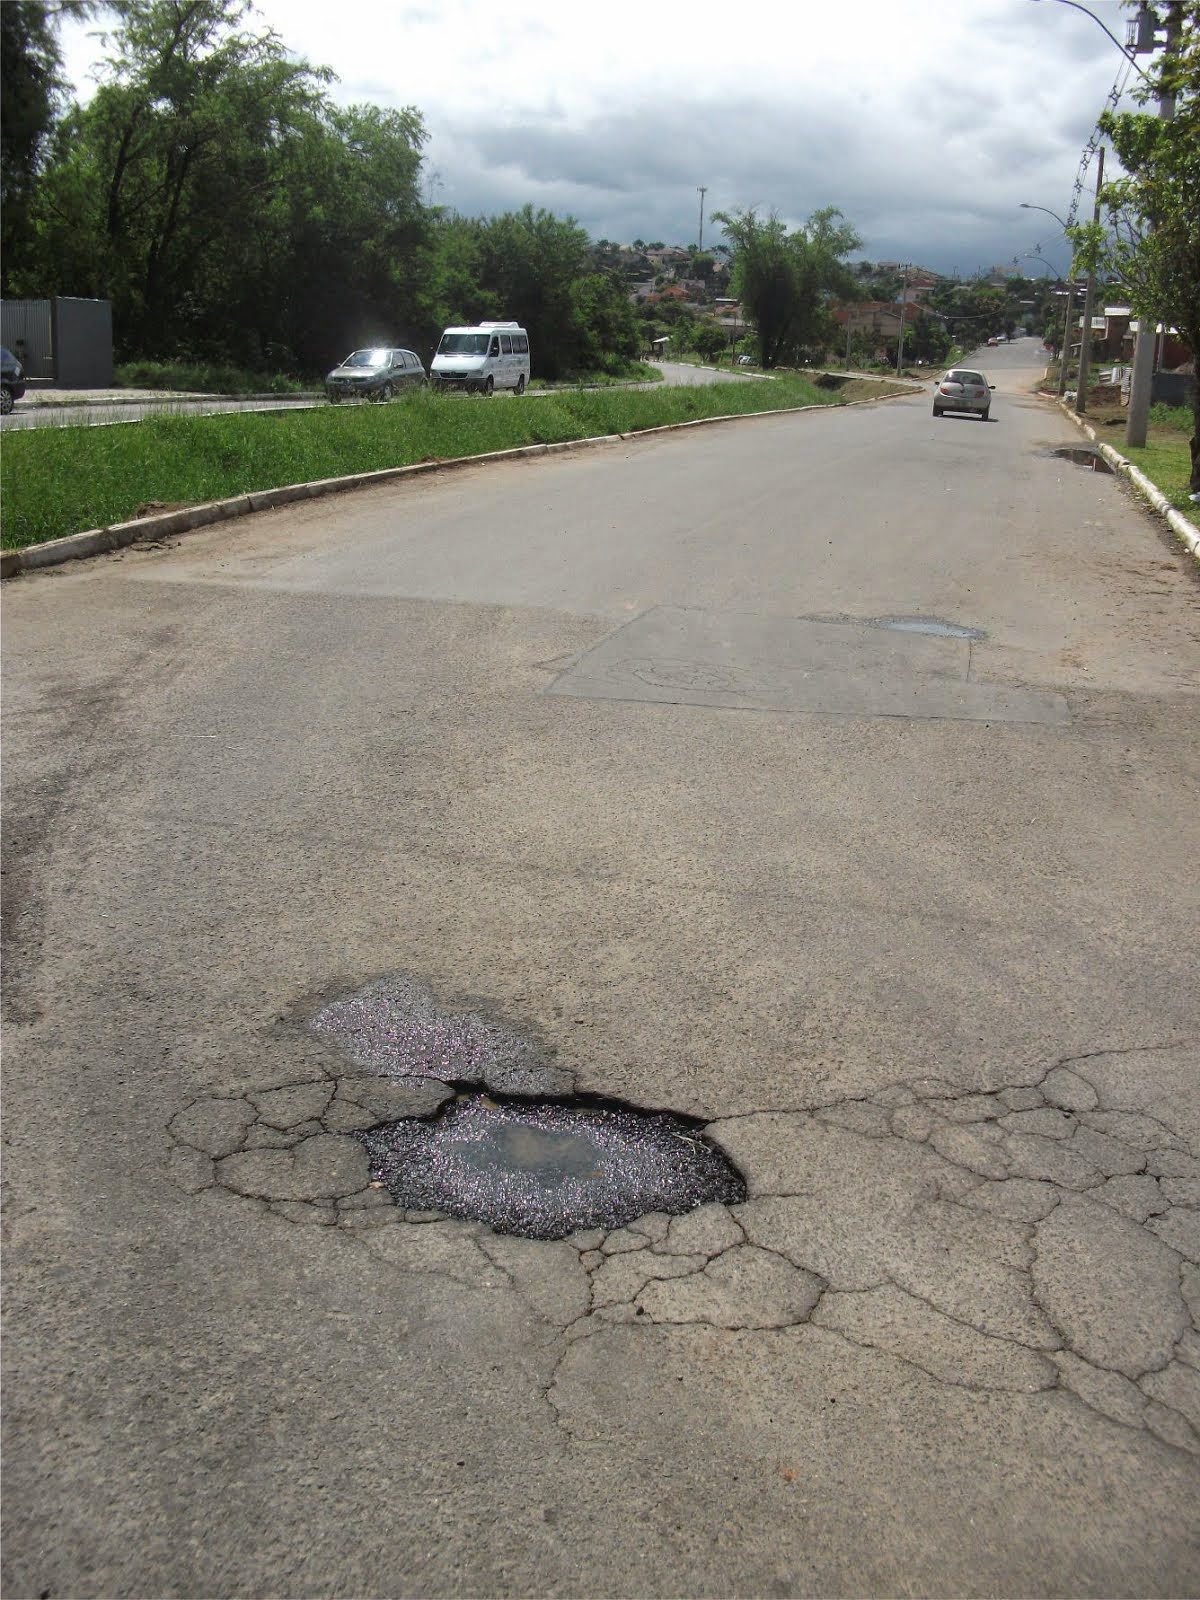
463 344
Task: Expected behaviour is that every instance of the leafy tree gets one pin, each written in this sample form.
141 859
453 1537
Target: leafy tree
710 341
154 188
225 206
785 279
1155 208
32 90
606 329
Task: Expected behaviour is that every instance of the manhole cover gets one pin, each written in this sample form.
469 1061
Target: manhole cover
1081 455
546 1169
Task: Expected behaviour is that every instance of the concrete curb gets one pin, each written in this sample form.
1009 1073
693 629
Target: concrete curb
146 530
1179 524
65 401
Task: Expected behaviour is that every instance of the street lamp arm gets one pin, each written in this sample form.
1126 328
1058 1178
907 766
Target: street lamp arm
1075 6
1025 206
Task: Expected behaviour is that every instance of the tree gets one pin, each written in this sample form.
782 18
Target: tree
32 90
710 341
1155 208
156 191
785 279
227 208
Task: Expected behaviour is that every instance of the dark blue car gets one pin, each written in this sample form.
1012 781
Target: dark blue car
12 380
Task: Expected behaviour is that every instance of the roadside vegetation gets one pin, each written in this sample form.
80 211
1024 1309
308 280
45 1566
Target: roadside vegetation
202 377
1165 458
55 481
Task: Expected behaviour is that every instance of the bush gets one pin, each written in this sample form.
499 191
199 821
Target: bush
196 377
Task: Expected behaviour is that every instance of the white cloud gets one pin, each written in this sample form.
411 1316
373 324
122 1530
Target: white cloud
927 122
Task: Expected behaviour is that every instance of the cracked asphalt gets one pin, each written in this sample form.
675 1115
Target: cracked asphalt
927 978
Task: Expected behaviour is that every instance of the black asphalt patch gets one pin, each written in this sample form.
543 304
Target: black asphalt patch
545 1170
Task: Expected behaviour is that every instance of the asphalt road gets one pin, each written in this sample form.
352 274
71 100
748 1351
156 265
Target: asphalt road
611 744
103 407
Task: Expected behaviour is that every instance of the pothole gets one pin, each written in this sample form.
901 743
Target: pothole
510 1145
934 626
545 1169
1081 455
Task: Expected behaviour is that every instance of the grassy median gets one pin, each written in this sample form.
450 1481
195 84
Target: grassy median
60 480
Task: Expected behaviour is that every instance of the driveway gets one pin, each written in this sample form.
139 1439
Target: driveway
828 780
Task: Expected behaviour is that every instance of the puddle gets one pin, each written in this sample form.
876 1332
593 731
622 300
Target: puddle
1081 455
543 1170
933 626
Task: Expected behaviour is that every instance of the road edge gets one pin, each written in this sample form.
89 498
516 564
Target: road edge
1183 526
146 530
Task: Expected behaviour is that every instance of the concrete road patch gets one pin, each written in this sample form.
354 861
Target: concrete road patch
770 663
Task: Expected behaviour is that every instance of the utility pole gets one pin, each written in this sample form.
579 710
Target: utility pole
903 309
1141 381
701 191
1066 343
1089 295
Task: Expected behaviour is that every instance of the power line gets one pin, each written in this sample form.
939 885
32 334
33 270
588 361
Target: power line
1093 144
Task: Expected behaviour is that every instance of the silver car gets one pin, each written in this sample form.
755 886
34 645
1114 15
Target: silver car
375 375
963 390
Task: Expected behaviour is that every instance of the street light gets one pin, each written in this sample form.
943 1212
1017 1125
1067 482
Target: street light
1143 40
1065 353
1049 265
1128 54
1025 206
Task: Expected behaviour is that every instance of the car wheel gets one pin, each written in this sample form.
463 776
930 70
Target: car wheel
521 384
489 386
334 397
984 413
385 392
6 401
937 411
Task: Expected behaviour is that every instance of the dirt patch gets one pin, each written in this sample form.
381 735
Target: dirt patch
155 508
871 389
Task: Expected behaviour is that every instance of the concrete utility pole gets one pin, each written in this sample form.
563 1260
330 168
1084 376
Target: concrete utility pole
1141 381
903 308
1066 344
1089 295
701 191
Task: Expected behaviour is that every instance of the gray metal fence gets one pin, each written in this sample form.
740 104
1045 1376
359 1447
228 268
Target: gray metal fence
65 341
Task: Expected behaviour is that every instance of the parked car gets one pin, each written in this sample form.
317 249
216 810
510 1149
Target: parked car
12 380
963 390
375 375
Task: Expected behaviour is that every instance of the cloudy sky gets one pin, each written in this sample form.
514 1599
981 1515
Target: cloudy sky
927 122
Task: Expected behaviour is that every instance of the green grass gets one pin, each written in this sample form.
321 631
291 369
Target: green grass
190 377
1167 462
55 481
1165 458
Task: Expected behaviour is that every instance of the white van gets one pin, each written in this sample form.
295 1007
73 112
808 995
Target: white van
492 355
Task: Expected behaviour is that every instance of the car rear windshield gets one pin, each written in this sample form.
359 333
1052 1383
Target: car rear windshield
964 377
